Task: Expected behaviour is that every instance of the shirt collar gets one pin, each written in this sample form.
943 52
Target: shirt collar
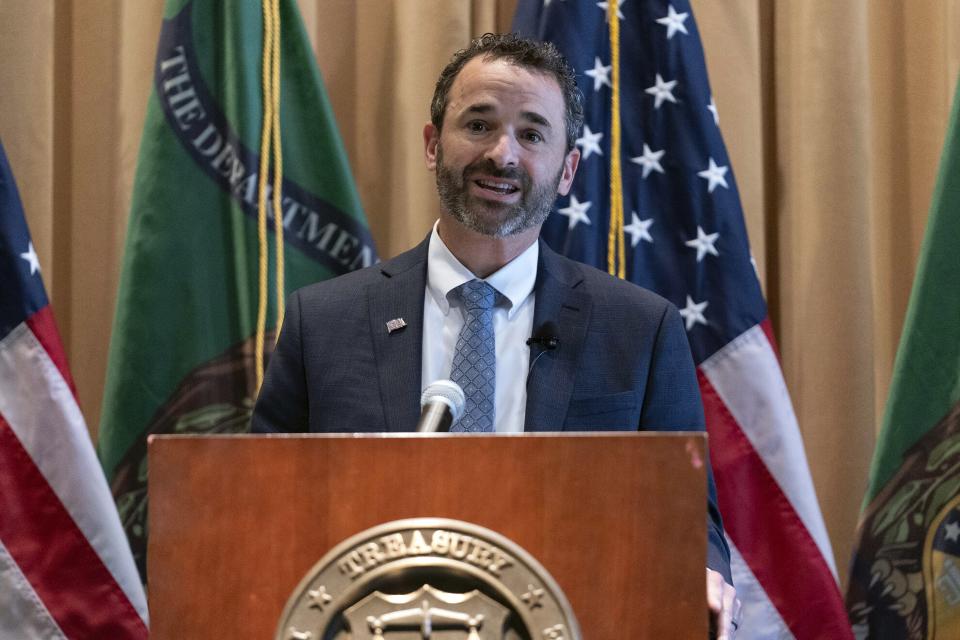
514 281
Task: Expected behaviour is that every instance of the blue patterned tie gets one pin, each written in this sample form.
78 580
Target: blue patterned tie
475 360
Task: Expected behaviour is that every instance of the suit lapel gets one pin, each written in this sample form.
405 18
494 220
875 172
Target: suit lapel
398 353
561 298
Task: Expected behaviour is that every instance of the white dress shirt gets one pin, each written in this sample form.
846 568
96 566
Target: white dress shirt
444 315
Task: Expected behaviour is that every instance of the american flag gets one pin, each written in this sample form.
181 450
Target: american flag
683 236
66 571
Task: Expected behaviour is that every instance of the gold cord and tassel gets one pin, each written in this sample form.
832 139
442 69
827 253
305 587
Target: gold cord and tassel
269 149
616 249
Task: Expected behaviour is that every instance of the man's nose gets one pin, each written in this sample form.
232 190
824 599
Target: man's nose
505 151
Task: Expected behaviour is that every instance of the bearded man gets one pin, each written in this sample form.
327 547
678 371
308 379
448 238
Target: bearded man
355 352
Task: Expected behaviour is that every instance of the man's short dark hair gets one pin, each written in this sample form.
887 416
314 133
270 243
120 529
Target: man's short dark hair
530 54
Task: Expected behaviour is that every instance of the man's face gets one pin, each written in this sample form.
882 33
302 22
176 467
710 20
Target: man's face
501 159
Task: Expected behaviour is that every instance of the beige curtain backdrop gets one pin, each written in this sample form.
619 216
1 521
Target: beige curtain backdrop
834 114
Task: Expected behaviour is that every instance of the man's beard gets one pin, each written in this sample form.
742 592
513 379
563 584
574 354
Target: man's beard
535 204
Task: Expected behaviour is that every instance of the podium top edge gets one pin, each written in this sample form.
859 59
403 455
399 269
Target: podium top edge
429 436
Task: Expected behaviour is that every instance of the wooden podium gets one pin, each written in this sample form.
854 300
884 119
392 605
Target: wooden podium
618 519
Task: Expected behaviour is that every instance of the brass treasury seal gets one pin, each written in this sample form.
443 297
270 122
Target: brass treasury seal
427 578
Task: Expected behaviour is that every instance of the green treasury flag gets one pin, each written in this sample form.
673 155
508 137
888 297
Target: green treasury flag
905 577
181 354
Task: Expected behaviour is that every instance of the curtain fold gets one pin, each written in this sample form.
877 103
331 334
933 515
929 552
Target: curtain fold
823 226
834 115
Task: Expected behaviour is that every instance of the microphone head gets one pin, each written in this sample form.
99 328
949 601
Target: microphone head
448 392
547 336
550 333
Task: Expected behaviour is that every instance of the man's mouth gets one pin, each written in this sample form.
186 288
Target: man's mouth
496 186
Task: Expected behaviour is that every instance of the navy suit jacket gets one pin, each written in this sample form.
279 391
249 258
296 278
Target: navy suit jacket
623 363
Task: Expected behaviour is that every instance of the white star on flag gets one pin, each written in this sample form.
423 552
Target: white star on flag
703 243
599 73
662 91
590 142
576 211
606 8
674 22
31 257
714 176
650 160
638 229
953 532
712 108
693 313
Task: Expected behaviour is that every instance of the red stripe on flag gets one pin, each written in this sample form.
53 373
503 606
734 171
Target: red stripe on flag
767 531
44 327
772 339
54 555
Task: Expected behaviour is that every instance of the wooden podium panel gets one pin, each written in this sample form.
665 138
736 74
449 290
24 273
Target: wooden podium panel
618 520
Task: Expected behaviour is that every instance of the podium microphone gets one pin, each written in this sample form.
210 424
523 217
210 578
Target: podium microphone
441 405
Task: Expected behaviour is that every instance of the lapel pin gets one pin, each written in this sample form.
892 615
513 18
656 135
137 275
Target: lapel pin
395 325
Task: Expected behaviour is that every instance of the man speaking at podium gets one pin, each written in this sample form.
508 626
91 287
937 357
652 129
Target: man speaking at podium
356 351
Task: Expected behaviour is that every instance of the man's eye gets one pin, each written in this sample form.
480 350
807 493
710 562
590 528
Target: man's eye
533 136
476 126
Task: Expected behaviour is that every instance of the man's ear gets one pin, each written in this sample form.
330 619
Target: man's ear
570 164
431 138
